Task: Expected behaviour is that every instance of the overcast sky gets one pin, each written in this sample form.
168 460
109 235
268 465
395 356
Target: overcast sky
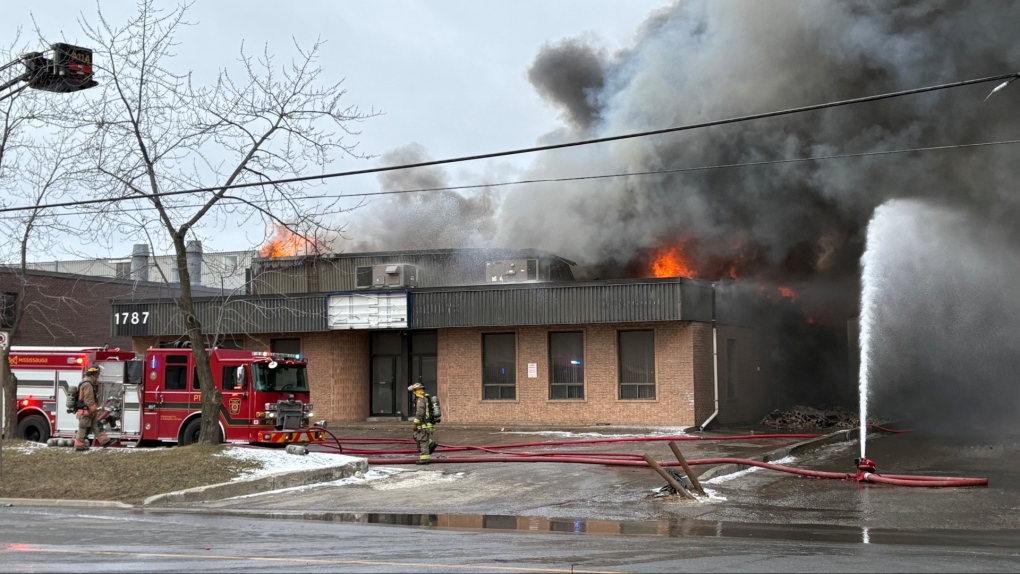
450 75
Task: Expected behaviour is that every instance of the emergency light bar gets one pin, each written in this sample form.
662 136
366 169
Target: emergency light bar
269 355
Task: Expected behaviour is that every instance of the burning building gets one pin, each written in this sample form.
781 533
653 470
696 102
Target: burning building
500 335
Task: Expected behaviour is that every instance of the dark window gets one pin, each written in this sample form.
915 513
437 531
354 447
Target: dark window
731 368
363 277
532 269
229 382
288 346
7 301
230 344
122 270
499 355
566 365
176 373
637 364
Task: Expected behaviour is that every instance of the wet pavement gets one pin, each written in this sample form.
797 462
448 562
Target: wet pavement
552 490
505 517
34 540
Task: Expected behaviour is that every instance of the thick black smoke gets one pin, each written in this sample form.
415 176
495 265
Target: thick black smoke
794 223
571 74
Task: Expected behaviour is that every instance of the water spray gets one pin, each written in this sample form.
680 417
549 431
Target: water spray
869 292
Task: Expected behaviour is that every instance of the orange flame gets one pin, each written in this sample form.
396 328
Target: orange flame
673 262
285 243
788 293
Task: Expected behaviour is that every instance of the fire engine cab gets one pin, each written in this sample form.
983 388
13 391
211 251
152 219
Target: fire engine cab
157 398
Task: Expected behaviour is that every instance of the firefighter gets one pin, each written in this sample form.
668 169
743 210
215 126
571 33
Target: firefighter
88 415
422 424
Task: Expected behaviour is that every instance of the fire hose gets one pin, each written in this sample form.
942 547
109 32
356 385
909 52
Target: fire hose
498 453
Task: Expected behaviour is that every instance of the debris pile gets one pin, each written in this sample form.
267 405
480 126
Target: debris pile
807 418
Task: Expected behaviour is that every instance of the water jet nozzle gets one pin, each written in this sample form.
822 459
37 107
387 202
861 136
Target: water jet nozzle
865 466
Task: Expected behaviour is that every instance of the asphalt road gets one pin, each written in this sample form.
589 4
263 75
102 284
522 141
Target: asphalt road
49 540
554 518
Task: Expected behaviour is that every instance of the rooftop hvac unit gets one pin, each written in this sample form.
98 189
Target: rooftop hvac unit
511 270
391 276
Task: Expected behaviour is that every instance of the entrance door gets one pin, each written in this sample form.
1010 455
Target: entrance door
424 369
384 382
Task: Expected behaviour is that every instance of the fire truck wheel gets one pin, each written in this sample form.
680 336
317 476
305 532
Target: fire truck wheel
34 428
192 432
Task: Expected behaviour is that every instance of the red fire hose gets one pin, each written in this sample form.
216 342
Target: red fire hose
497 453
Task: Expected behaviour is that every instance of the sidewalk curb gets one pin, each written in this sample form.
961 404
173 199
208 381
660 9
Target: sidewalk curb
69 503
257 484
840 436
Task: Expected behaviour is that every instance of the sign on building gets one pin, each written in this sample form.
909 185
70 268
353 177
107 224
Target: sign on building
367 310
5 339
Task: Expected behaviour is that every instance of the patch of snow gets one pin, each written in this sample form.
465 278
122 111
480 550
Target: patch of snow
26 447
417 478
273 461
741 473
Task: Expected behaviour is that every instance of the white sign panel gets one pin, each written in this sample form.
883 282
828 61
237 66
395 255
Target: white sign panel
5 339
532 370
367 310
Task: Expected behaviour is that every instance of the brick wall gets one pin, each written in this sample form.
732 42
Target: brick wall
73 310
339 375
460 368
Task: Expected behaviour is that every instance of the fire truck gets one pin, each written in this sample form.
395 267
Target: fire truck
156 397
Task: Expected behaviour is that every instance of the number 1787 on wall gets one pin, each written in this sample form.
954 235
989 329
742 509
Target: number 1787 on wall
135 318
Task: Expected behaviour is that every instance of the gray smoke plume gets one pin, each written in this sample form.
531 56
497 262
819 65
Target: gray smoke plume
571 74
799 223
431 220
946 322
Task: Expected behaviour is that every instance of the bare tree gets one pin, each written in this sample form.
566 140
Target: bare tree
40 171
16 113
151 131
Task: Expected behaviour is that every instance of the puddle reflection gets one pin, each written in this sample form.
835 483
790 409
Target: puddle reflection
677 528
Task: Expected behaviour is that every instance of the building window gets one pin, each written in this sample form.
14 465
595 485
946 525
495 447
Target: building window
288 346
566 365
122 270
499 356
637 364
731 368
7 301
229 263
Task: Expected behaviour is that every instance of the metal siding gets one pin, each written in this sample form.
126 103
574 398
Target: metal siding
236 316
541 305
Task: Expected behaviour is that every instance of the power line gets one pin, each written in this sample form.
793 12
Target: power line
229 201
535 149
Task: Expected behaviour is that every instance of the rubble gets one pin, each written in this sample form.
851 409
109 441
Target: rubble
808 418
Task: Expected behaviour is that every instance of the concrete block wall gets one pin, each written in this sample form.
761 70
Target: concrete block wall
460 372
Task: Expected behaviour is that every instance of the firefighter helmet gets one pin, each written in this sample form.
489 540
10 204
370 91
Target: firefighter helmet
415 387
93 370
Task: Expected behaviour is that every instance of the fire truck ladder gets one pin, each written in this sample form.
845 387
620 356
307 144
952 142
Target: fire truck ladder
68 70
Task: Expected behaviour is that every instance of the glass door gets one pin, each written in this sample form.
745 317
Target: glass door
384 379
